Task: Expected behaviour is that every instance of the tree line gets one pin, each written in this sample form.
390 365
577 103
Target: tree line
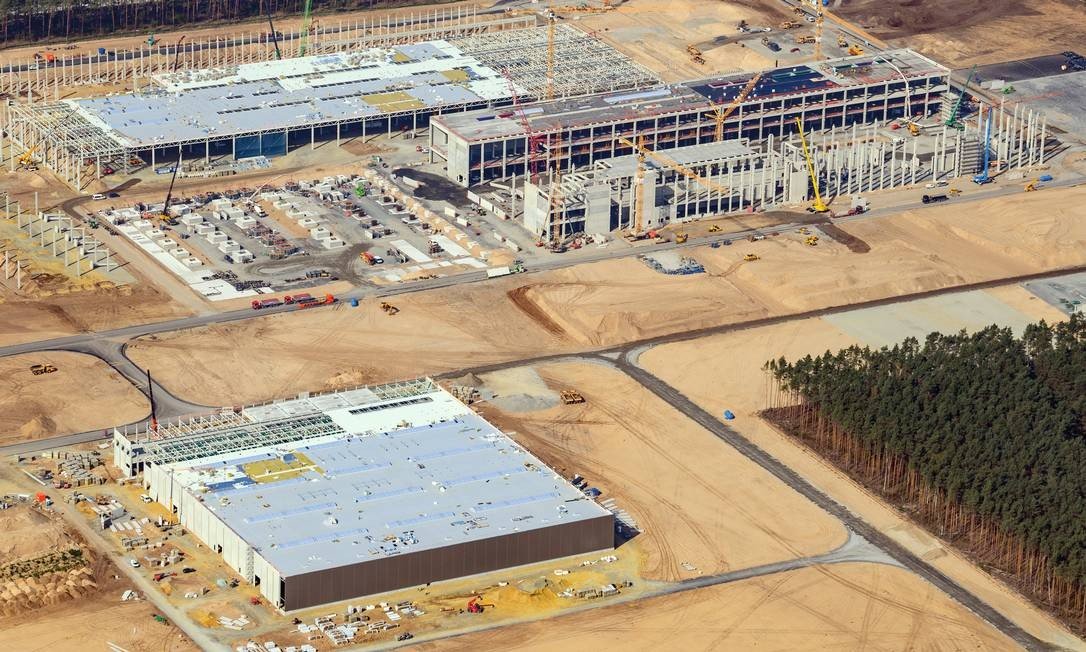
982 437
57 20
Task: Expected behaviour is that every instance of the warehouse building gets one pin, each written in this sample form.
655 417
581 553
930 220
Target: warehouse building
270 107
341 495
480 146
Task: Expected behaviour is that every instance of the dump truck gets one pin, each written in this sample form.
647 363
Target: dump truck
39 369
367 258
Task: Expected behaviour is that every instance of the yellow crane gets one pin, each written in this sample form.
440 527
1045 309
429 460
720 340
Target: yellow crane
819 16
550 58
721 114
644 153
28 157
819 206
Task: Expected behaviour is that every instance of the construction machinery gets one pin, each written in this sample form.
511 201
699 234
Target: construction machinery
816 5
984 176
914 129
571 397
389 308
151 40
811 241
952 120
714 228
819 206
803 40
177 53
791 24
750 258
39 369
680 236
272 36
550 57
307 21
720 114
27 159
165 214
1032 185
644 153
842 42
855 50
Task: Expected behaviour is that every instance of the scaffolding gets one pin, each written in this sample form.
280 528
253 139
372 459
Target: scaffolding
583 64
42 78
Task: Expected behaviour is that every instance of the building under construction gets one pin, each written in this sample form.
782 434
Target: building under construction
267 108
480 146
335 496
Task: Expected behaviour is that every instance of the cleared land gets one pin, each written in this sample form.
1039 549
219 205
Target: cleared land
840 607
616 301
725 372
665 470
975 31
655 34
83 394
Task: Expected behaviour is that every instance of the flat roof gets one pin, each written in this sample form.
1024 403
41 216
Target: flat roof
392 476
842 73
293 93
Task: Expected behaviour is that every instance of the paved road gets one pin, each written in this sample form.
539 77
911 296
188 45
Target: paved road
785 474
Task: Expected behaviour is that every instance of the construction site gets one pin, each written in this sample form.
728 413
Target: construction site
447 325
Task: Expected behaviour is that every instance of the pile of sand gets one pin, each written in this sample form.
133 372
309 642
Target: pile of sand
38 427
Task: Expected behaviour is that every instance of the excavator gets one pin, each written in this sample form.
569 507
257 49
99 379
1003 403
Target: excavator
39 369
476 607
389 308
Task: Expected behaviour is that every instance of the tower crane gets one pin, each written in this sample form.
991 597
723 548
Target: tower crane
819 206
819 19
721 114
307 19
549 93
644 153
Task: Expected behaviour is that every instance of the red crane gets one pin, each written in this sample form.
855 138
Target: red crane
535 141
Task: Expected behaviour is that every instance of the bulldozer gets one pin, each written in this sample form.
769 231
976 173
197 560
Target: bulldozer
750 258
855 50
39 369
714 228
389 308
571 397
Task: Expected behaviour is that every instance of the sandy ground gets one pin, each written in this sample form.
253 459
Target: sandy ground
725 372
841 607
615 301
90 623
83 394
655 34
665 471
975 31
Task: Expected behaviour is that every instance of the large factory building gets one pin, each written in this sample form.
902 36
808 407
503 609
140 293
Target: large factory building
336 496
479 146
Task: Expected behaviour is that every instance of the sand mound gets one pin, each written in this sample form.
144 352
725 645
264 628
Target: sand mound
38 427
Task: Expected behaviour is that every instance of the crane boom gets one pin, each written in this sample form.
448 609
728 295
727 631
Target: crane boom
952 121
674 165
307 17
722 114
550 58
819 206
271 34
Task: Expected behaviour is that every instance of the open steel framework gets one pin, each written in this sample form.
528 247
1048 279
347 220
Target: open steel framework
78 149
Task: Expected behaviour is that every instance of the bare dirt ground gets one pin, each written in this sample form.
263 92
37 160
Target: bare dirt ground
840 607
83 394
973 32
82 610
666 472
725 372
615 301
655 34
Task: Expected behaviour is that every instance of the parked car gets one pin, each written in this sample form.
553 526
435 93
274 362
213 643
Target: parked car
97 196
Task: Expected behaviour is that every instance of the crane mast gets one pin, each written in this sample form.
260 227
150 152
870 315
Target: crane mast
819 206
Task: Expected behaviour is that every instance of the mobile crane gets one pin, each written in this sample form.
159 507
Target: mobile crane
952 121
984 176
819 206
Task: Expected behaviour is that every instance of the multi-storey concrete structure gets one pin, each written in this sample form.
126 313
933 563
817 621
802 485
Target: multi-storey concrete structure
491 144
